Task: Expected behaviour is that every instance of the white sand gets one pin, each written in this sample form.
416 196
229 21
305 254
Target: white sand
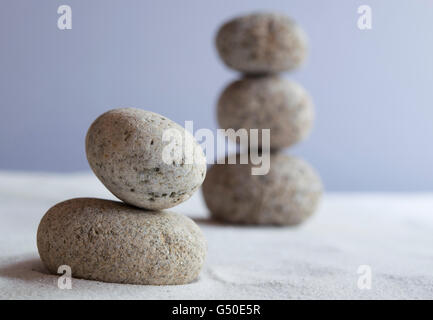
393 233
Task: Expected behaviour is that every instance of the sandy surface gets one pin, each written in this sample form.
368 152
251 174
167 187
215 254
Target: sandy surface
392 233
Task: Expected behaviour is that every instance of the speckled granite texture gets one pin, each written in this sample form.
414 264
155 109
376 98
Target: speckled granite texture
112 242
125 148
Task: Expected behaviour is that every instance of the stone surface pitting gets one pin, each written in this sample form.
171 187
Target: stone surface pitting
130 151
124 148
110 241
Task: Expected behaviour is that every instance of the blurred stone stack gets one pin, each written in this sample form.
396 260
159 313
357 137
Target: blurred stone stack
260 46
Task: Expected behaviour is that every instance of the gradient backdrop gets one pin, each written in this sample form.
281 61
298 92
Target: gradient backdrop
373 89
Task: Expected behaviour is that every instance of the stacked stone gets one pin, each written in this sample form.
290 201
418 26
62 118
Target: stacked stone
260 46
131 242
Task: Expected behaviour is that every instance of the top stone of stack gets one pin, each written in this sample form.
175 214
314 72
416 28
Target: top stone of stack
125 148
262 43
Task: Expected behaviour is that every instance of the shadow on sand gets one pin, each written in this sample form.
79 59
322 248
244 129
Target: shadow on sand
27 269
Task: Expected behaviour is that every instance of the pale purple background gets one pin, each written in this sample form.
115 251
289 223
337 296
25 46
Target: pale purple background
373 89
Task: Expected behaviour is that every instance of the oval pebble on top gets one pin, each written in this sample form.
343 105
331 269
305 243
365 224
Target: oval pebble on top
287 195
112 242
126 151
269 102
262 43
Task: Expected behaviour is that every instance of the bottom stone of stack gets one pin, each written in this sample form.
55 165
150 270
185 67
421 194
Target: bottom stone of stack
287 195
112 242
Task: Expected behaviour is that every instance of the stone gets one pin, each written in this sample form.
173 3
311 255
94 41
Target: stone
261 43
110 241
269 102
127 150
287 195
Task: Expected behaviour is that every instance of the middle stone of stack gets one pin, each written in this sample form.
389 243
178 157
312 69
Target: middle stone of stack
267 102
